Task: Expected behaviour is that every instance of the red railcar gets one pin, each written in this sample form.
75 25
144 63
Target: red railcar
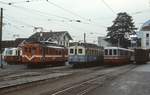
118 56
43 53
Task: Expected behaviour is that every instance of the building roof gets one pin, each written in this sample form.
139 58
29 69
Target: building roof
12 43
146 26
48 36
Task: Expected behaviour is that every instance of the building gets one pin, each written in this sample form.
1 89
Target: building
58 37
12 43
103 42
144 35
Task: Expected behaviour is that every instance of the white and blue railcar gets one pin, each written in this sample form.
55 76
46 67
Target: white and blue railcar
85 54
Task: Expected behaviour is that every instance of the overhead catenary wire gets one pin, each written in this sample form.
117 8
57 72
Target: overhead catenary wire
64 9
47 14
36 11
104 2
80 21
24 1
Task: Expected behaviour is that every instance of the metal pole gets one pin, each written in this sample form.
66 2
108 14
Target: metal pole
84 37
1 25
85 48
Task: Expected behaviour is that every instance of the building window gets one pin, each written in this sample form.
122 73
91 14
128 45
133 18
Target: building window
147 35
147 39
147 43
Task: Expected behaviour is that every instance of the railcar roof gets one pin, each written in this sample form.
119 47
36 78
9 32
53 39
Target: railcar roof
13 48
47 44
118 48
84 45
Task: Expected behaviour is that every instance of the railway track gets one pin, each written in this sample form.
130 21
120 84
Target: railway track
88 85
41 74
76 88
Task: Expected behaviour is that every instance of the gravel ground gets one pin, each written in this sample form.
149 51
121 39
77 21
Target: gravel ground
53 85
135 82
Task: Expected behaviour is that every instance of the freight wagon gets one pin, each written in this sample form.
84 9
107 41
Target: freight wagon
141 55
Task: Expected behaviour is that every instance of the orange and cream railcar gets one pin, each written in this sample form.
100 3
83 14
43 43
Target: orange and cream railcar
43 53
12 55
118 56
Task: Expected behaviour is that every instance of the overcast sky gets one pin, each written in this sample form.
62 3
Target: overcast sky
75 16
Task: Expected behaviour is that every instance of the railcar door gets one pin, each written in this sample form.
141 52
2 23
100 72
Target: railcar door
43 54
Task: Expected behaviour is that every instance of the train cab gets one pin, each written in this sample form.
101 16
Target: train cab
12 55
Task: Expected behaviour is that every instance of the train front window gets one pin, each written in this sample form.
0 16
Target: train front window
80 51
71 51
9 52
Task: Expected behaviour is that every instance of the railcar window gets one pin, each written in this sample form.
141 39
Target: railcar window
9 52
25 49
46 50
29 49
114 52
106 51
56 52
110 52
71 51
121 52
80 51
59 52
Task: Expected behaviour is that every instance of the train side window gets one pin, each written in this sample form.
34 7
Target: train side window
110 52
71 51
106 51
29 49
121 52
33 50
46 50
59 52
25 49
114 52
80 51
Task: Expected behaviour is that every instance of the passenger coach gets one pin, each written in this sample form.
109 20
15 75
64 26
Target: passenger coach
85 54
12 55
118 56
43 53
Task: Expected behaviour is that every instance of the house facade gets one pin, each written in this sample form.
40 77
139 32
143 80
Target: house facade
58 37
144 35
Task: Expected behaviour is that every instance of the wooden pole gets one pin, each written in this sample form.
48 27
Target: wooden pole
1 25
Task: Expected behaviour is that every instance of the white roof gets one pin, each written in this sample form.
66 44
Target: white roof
11 48
118 48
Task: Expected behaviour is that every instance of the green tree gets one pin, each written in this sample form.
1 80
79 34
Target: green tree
122 26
